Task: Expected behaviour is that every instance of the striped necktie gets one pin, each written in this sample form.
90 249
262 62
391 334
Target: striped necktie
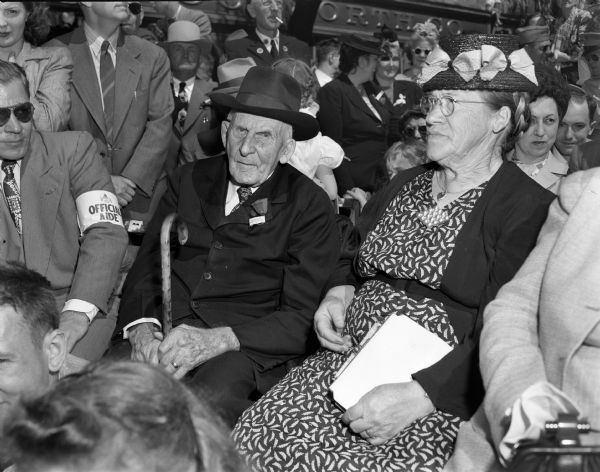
11 192
107 79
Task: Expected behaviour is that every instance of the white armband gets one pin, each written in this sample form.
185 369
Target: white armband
97 206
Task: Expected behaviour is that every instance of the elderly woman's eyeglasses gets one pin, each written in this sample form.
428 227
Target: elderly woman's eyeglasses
446 102
424 52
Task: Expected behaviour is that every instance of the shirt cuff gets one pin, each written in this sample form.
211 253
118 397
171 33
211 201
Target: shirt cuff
89 309
137 322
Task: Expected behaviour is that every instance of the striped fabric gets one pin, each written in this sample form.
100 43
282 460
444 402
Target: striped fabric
107 79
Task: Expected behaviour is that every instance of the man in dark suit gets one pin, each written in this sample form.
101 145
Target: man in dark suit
195 124
262 242
265 44
121 95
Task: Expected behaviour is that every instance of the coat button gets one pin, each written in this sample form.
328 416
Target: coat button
195 303
218 245
207 275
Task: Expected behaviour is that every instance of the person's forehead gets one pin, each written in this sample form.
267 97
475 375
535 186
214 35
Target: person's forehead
13 93
577 111
543 106
14 333
256 122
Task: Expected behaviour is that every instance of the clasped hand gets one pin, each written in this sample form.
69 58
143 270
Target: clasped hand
385 411
183 349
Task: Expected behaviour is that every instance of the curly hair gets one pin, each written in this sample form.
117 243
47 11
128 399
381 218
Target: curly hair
114 415
552 85
37 26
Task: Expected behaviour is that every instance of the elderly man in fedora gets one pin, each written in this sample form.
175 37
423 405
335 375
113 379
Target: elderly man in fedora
193 120
262 243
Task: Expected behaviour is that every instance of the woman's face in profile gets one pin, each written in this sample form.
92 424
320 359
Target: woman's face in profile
420 52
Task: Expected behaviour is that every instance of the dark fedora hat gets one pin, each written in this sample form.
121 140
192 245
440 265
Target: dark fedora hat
363 43
266 92
491 62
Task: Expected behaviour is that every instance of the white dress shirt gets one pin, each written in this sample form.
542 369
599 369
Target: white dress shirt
189 86
266 40
322 77
95 44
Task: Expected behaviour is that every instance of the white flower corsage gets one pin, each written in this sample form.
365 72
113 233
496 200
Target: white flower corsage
401 100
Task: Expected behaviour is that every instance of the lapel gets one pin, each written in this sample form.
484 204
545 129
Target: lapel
257 48
85 81
195 108
355 97
41 191
211 187
128 73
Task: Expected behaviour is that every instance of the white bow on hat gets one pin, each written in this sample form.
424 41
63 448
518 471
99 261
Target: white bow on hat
488 61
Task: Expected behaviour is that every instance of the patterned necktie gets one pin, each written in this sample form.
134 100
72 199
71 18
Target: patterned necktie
244 194
11 192
182 95
274 51
107 79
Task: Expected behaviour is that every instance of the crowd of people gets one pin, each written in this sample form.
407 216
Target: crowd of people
212 343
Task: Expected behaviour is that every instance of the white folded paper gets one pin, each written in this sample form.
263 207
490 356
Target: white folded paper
390 353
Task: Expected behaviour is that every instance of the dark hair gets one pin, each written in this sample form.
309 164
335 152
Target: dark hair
552 85
303 74
579 96
405 118
37 25
11 72
114 413
326 47
30 295
349 58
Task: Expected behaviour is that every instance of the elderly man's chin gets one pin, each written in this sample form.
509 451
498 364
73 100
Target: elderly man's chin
246 174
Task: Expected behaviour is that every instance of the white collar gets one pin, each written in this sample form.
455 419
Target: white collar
266 39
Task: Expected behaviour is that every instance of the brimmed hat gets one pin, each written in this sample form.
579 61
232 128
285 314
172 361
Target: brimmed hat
187 32
479 62
533 34
232 73
266 92
363 43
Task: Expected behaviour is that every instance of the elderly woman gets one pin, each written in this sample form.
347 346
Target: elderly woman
437 244
353 117
123 416
23 26
423 40
534 151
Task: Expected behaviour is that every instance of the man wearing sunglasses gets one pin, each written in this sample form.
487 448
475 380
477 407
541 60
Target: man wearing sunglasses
58 212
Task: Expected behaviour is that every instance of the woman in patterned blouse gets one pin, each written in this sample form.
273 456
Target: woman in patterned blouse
437 244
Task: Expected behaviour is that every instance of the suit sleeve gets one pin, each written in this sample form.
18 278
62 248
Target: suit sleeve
230 50
146 164
511 359
313 249
102 245
52 99
454 383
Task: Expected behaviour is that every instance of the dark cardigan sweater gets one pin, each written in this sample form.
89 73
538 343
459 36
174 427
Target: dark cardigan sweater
491 246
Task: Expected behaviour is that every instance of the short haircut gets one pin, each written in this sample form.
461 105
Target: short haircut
579 97
30 295
37 25
11 72
118 413
552 85
326 47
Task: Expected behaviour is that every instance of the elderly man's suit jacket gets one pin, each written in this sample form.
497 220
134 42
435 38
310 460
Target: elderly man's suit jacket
59 168
252 46
264 280
544 325
142 116
200 135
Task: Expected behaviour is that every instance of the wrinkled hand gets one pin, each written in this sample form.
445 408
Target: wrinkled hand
124 188
74 324
358 194
385 411
145 340
330 319
186 347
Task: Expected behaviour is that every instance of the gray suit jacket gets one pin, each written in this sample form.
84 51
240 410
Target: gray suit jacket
544 325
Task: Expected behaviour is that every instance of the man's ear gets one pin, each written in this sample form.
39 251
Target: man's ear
225 124
501 120
55 349
286 151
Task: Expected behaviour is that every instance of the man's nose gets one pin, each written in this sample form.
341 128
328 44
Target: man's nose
569 134
247 146
13 125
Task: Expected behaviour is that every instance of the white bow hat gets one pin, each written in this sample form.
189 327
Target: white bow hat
491 62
